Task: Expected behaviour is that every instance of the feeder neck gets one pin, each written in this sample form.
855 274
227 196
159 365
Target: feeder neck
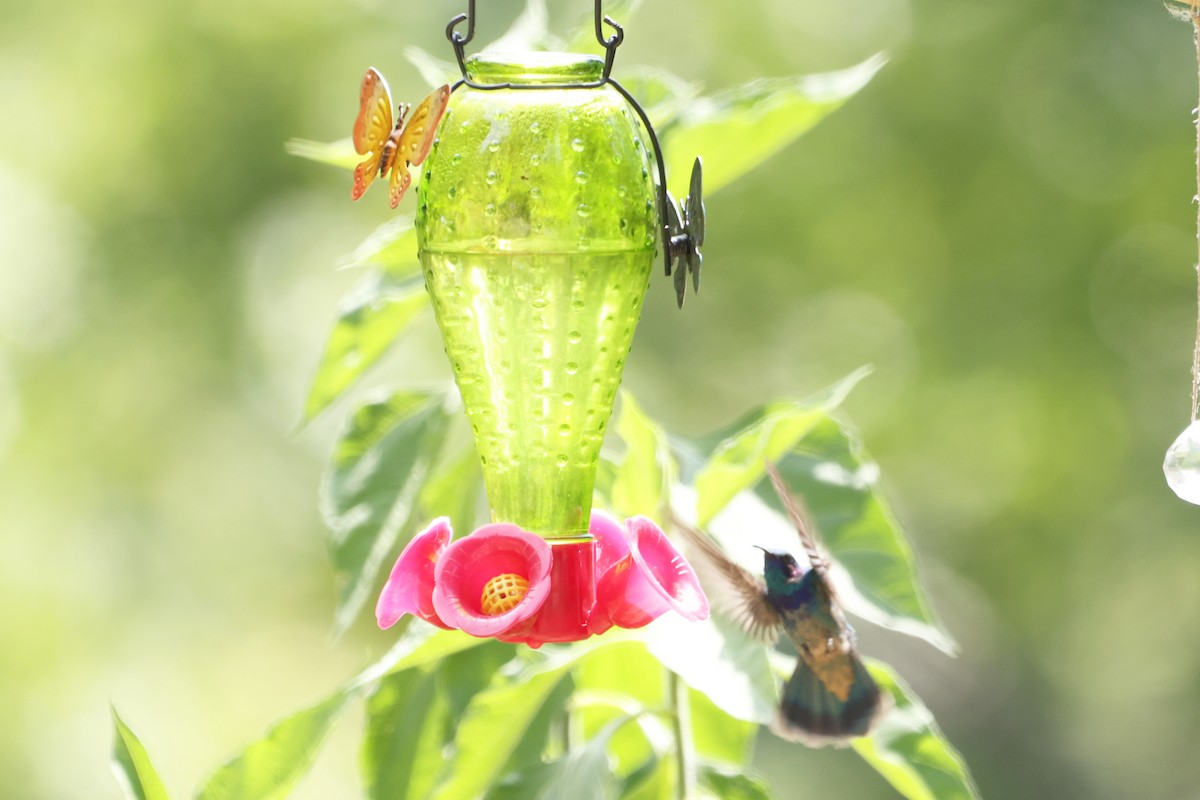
499 69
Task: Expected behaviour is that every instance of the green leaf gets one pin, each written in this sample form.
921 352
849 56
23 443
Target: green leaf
825 465
505 728
540 737
643 481
716 658
421 644
716 735
722 785
371 319
338 154
434 70
462 675
455 491
269 767
909 751
737 130
606 476
662 94
393 246
766 434
373 315
585 772
626 667
491 731
131 764
839 484
618 680
654 781
524 775
407 722
523 785
631 746
370 490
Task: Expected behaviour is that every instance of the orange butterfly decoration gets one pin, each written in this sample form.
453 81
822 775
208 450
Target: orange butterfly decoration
389 148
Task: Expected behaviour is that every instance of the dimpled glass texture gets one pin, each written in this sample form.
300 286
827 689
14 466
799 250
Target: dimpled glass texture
537 230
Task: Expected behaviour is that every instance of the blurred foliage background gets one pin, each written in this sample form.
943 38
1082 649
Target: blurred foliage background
1001 223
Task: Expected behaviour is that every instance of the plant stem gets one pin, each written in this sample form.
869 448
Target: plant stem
1195 17
567 734
685 755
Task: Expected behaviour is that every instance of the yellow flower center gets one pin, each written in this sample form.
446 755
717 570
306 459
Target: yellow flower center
502 593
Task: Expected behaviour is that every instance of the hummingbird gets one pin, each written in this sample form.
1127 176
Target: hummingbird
831 697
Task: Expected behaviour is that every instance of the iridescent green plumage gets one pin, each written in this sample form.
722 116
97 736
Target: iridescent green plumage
831 696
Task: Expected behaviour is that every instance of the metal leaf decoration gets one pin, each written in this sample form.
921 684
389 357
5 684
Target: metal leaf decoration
685 224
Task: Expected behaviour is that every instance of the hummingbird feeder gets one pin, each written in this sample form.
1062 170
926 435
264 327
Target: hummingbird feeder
541 208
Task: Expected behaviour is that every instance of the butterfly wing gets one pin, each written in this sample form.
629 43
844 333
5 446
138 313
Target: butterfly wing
372 128
416 139
418 133
398 184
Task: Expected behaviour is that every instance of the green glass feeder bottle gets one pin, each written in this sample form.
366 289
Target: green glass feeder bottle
541 206
538 225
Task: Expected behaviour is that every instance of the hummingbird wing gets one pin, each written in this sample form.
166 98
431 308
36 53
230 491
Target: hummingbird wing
791 506
733 591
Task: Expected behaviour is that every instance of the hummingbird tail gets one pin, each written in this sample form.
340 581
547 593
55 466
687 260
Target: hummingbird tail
810 713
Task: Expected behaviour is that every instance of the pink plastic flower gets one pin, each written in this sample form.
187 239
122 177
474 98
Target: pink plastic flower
497 552
649 580
612 544
508 583
409 589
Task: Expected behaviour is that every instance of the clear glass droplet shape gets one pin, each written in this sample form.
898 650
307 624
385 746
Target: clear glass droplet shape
1182 465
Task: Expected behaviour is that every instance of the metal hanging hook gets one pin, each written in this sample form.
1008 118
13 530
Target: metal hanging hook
457 40
609 43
